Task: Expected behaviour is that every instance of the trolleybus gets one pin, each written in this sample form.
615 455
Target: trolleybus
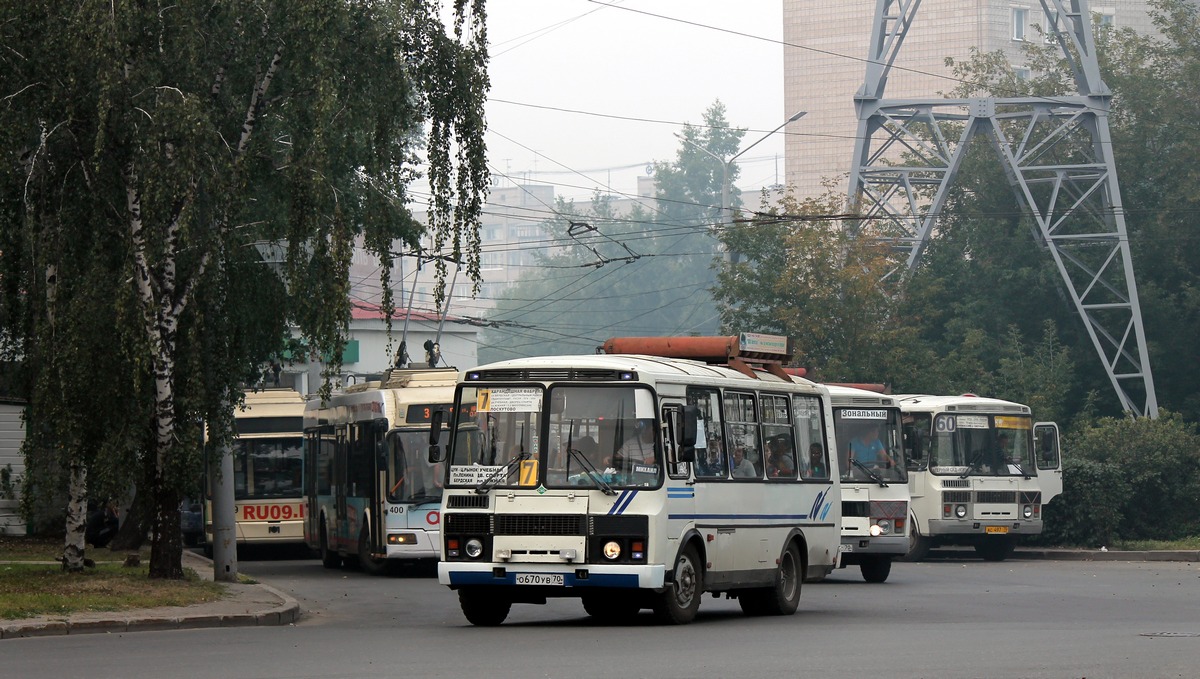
634 481
268 492
875 492
981 470
373 496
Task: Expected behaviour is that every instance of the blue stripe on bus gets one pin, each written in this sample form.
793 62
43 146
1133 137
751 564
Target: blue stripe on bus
569 579
681 492
617 505
622 503
628 498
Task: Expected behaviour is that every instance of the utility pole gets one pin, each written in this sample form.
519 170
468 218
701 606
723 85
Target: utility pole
1057 152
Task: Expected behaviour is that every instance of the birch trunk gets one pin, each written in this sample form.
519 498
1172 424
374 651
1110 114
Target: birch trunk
73 549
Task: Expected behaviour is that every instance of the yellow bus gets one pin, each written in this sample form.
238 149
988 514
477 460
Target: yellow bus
267 470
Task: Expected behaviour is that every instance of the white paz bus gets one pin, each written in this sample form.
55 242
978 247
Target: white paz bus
373 497
635 481
875 493
981 470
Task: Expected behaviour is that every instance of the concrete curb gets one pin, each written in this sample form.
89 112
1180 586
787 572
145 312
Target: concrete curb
1096 555
245 605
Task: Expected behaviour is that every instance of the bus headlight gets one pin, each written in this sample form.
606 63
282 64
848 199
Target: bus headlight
612 550
960 511
884 526
474 548
1027 512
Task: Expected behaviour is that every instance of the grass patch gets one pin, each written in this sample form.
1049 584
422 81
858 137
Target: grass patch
29 589
34 548
1192 543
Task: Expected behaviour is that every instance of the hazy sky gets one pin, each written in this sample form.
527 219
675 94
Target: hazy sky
584 94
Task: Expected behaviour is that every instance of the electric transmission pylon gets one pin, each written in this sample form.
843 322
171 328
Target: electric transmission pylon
1057 153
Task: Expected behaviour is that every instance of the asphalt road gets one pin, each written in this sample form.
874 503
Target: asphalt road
939 619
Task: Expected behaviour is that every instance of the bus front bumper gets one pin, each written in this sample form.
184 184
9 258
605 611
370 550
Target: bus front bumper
582 576
952 527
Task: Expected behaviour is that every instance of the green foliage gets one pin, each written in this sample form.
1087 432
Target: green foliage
799 274
1159 465
145 151
1090 511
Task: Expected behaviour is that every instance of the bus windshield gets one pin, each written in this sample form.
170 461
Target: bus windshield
869 445
593 436
267 468
982 445
410 476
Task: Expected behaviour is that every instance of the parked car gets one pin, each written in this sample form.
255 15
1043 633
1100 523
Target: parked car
191 522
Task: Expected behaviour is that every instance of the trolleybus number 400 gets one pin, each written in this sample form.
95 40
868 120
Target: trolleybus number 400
539 579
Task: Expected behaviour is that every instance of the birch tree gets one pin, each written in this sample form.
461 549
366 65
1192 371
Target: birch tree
170 138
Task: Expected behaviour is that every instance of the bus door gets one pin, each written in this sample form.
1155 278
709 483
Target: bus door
681 489
339 487
378 504
1049 460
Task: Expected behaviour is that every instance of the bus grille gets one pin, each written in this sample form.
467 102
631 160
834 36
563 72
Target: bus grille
956 483
540 524
463 524
949 496
1031 497
996 496
467 502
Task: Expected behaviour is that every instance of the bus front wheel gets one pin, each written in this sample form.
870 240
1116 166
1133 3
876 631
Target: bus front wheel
918 545
679 601
369 564
483 609
876 569
995 549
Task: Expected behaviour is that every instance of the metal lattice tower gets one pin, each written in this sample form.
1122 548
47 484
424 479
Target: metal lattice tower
1058 156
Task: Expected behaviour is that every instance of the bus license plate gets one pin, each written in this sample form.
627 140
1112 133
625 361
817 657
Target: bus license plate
539 579
996 530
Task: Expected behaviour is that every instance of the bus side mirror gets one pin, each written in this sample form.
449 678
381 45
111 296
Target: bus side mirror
435 435
687 437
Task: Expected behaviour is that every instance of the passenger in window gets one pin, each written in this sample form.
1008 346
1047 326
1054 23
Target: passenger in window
779 457
639 448
713 462
816 463
741 467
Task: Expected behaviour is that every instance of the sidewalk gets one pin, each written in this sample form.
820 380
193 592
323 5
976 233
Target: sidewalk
244 606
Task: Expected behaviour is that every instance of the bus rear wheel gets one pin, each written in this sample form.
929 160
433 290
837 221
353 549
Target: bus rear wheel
679 601
483 609
329 559
782 598
876 569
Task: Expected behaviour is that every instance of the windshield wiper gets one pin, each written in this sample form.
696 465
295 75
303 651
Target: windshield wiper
591 470
1020 469
501 474
972 464
869 472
